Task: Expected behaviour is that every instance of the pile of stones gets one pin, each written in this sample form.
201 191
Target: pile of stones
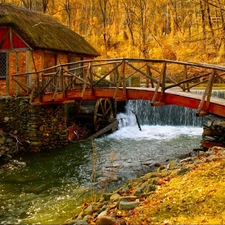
213 132
113 207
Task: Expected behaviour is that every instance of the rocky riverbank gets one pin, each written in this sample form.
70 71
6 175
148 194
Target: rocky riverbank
181 191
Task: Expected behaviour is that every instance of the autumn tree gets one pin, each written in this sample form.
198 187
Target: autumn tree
45 4
130 18
146 25
106 20
28 3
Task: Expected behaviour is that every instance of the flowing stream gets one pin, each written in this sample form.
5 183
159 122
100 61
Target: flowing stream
53 185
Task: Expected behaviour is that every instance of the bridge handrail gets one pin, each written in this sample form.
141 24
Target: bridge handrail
118 73
203 65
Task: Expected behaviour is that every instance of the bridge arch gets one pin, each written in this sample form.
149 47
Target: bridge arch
161 81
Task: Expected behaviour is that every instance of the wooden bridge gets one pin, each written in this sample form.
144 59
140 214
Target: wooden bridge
160 81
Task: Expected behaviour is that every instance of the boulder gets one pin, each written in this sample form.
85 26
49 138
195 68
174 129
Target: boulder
125 205
106 220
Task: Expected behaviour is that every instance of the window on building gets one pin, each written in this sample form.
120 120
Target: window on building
3 65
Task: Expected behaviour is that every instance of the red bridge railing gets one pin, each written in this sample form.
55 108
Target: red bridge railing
120 74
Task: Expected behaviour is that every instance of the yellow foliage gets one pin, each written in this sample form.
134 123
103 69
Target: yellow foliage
194 198
153 29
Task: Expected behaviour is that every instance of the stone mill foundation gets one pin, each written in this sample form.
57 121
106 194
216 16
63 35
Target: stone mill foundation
34 128
29 128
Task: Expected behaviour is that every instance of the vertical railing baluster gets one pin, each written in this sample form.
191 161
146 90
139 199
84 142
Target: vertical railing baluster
32 87
118 81
86 77
115 77
163 77
124 78
186 85
63 81
207 93
91 78
161 81
149 73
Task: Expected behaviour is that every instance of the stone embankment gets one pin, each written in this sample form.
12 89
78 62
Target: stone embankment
28 128
213 132
119 206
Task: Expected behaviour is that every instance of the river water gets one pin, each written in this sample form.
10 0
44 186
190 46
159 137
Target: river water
52 186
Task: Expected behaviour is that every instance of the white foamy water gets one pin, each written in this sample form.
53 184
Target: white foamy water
135 148
128 129
154 132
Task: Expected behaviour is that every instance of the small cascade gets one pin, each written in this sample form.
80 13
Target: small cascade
172 115
215 93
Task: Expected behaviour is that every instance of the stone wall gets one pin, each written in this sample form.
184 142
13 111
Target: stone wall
213 132
24 127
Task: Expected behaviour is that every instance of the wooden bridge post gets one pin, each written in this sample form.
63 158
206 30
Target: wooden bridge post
124 78
161 82
115 76
163 76
90 77
207 93
63 81
86 76
149 73
186 77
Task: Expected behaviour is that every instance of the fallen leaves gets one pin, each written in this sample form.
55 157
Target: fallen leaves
197 197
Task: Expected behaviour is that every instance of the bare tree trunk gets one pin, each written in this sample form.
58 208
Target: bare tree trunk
202 9
106 21
222 15
210 20
129 19
68 9
222 41
176 17
142 21
27 4
45 5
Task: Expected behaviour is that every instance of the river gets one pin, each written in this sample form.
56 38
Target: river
52 186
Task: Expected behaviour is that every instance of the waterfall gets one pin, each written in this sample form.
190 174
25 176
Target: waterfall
163 115
172 115
215 93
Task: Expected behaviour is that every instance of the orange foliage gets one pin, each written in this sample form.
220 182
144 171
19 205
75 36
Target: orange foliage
176 29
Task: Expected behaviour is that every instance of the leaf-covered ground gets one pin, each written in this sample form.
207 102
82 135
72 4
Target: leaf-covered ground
190 191
196 197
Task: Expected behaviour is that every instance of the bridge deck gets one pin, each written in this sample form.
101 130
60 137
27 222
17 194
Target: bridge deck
175 97
160 81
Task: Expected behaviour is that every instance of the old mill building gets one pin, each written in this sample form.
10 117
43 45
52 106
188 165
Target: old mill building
32 41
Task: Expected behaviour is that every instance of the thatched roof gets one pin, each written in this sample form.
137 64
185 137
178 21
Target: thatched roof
41 31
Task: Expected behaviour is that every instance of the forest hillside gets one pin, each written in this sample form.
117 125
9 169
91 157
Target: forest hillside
184 30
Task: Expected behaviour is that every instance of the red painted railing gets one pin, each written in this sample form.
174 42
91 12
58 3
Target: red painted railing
55 84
